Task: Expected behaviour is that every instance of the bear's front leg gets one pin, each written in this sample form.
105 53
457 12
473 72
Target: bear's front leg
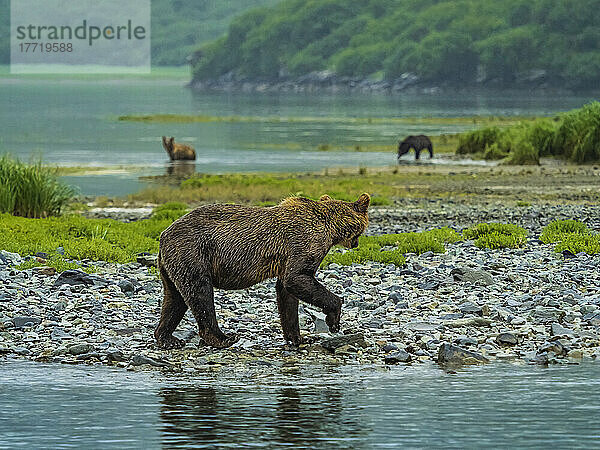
309 290
287 305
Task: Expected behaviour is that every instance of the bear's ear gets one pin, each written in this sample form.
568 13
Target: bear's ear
362 204
325 198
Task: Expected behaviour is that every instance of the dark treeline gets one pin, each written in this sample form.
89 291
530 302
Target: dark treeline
458 42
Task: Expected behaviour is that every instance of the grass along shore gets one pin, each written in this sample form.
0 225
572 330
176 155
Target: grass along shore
530 184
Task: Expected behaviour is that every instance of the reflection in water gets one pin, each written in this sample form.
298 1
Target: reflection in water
194 416
181 169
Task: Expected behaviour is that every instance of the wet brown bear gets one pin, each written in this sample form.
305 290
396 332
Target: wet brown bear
235 247
178 152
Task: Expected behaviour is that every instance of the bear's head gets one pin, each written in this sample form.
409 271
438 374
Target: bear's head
348 219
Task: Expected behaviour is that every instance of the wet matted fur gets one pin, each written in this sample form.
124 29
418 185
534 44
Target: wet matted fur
235 246
178 152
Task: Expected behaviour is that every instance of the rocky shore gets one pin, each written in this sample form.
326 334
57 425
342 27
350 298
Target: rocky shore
467 306
329 81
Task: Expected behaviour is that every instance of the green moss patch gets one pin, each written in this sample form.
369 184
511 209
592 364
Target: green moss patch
497 235
571 235
370 248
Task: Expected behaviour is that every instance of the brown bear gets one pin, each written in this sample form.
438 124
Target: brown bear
178 152
418 143
235 247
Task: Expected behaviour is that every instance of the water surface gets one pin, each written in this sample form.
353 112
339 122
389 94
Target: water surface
499 405
73 122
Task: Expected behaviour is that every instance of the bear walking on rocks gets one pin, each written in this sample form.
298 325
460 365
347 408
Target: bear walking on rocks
234 247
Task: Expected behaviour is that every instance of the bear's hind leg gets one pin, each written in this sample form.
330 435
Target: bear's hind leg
197 290
287 305
173 310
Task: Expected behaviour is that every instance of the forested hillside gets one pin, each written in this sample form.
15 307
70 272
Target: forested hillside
458 42
178 26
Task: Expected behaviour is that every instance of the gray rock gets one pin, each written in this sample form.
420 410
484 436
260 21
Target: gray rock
147 259
468 322
126 286
471 308
507 339
115 356
80 349
452 355
420 327
356 339
77 277
389 348
465 341
58 334
556 348
140 360
395 297
545 315
558 330
396 357
472 276
25 321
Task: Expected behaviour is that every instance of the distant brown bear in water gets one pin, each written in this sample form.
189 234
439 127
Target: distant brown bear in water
178 152
234 247
418 143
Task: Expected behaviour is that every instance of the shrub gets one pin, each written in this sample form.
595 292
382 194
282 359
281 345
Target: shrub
477 141
369 248
31 190
574 136
560 229
170 211
577 243
578 136
497 235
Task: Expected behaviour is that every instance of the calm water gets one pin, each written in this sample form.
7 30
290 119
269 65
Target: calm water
74 122
56 406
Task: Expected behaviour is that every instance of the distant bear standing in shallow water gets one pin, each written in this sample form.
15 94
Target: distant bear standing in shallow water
235 247
178 152
418 143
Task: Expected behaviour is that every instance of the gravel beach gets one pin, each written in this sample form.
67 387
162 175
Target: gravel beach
467 306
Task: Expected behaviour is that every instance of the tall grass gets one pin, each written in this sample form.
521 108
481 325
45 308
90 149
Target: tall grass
31 190
574 136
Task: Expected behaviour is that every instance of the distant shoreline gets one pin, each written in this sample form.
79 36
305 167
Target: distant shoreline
330 82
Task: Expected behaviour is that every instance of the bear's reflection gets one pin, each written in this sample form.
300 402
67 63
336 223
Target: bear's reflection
181 169
206 417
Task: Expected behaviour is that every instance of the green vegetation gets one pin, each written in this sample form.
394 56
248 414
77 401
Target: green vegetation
371 248
178 26
442 40
577 243
573 136
571 235
31 190
497 235
265 188
85 239
559 229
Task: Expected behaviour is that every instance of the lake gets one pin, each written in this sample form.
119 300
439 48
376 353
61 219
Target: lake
498 406
74 122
